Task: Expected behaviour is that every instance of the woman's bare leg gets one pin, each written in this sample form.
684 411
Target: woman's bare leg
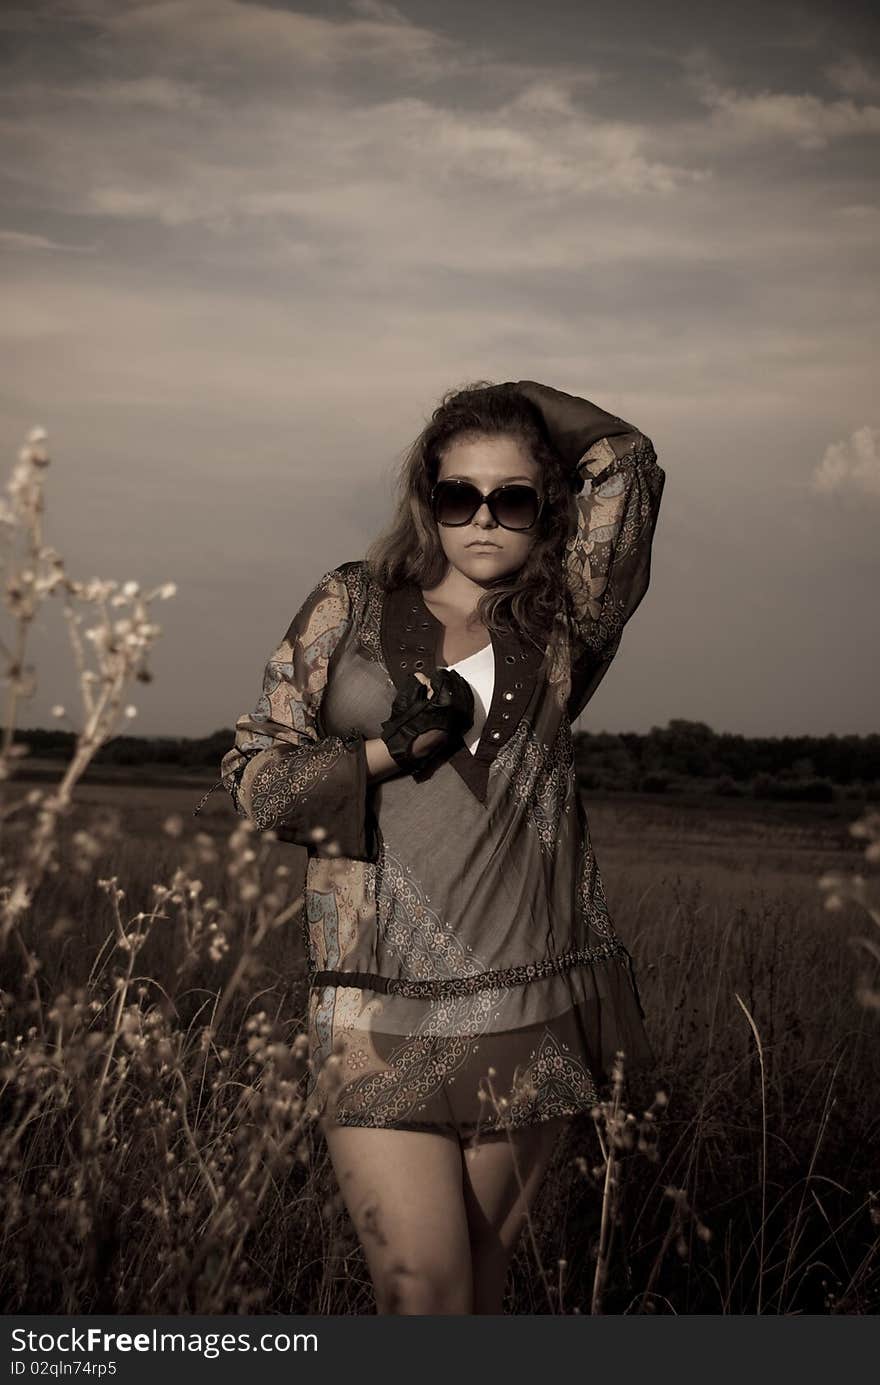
403 1191
497 1207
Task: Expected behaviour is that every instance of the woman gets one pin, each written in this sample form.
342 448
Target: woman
467 988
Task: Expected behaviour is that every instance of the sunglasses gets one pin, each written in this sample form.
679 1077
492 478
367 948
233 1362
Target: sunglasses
513 506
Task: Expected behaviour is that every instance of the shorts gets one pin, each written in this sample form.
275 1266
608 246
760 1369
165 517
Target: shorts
468 1088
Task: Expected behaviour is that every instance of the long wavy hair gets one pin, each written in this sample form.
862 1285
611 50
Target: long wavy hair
409 550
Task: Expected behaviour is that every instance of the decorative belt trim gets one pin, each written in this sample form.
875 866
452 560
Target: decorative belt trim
482 981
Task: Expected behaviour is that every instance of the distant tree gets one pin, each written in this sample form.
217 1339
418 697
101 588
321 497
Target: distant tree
728 787
654 782
803 767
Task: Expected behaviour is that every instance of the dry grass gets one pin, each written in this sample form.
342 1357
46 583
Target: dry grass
155 1154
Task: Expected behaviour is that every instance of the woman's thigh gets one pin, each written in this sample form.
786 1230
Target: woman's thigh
403 1191
502 1177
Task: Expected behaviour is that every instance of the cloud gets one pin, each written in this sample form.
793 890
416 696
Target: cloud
249 150
316 139
26 240
852 465
855 77
199 157
227 37
740 118
160 93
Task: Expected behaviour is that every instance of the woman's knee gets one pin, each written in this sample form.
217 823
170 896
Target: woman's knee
420 1287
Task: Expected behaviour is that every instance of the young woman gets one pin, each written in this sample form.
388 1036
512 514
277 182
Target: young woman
468 990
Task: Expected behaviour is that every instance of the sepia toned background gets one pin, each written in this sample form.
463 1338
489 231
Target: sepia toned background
246 247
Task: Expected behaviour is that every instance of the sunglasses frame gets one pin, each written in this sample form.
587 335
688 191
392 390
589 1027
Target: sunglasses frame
490 501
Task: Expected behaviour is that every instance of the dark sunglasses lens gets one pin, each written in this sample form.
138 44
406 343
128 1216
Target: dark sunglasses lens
516 507
456 502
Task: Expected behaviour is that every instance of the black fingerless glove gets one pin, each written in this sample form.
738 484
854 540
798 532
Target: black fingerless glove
451 709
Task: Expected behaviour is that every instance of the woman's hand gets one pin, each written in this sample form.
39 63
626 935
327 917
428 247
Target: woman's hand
427 716
428 740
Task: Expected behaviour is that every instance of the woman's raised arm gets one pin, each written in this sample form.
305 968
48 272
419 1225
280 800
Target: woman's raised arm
608 560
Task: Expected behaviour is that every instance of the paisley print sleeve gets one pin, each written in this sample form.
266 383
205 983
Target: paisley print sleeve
608 559
281 772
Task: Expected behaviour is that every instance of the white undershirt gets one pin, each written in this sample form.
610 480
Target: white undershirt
478 670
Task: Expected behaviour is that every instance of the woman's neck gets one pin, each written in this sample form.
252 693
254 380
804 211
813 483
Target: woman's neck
456 596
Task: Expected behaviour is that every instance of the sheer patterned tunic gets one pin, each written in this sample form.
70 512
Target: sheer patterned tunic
455 919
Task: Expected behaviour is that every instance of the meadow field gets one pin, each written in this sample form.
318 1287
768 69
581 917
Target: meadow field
155 1154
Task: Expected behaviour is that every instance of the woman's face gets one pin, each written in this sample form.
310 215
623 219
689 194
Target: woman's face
487 462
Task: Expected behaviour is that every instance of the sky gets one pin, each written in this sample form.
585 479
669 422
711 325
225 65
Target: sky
246 247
